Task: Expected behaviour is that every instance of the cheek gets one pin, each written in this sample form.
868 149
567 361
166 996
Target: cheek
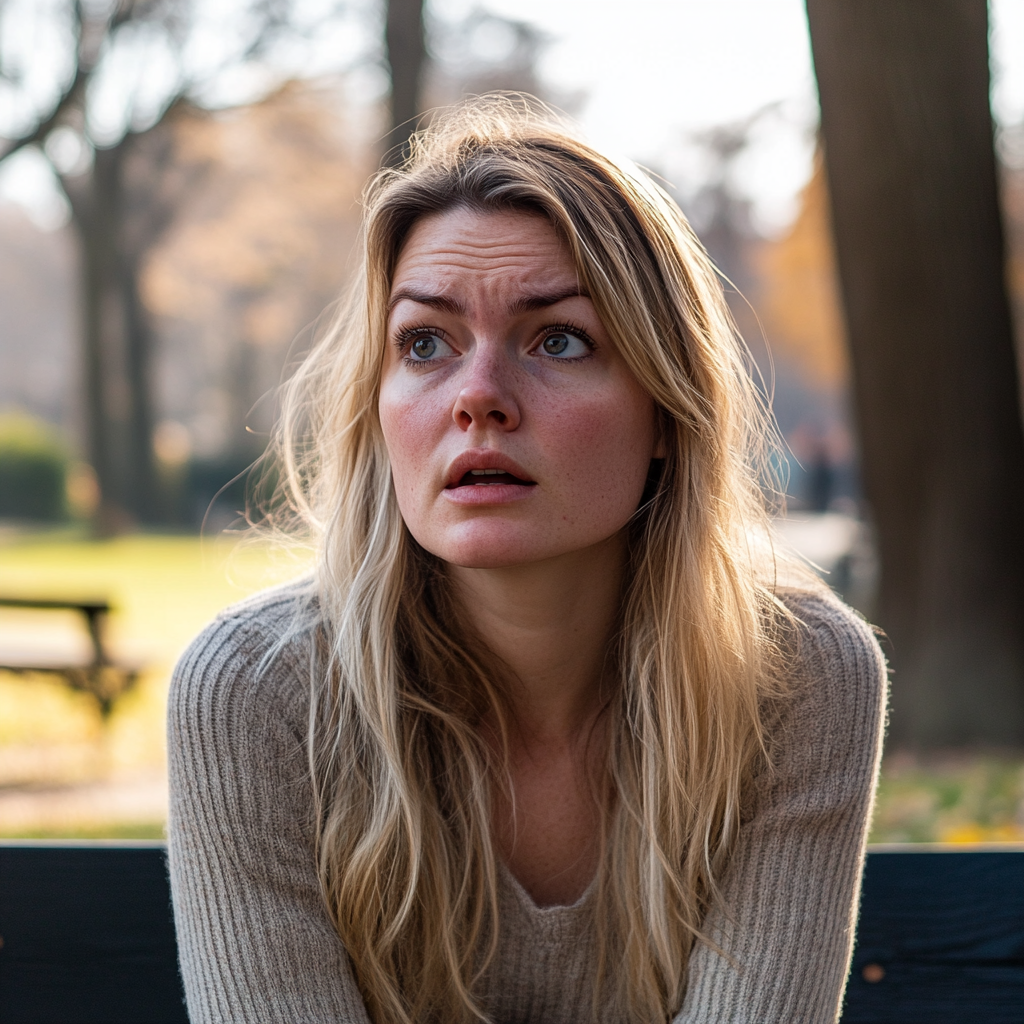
605 448
411 425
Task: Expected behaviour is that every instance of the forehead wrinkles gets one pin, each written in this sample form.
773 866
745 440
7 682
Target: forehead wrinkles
505 274
471 239
483 254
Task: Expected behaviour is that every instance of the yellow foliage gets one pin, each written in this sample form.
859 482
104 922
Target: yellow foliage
973 833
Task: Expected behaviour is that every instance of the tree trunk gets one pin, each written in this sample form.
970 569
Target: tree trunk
143 490
406 56
117 340
904 87
95 225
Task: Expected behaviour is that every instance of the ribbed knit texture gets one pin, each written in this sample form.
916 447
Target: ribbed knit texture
255 941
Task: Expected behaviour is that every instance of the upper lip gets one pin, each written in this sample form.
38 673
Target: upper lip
484 458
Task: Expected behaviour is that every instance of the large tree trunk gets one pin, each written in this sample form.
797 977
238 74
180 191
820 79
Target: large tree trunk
904 87
407 57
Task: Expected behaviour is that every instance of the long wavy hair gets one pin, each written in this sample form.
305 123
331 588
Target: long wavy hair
404 779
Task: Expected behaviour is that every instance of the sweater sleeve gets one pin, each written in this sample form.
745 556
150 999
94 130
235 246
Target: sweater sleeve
255 943
786 917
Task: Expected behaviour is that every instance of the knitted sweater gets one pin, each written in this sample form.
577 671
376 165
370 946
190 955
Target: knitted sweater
255 941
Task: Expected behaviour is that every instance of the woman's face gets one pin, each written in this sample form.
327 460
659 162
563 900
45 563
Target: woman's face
515 430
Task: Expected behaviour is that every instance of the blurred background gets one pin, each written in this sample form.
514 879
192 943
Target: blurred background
179 203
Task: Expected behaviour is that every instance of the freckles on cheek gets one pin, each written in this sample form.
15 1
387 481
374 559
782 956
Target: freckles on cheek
410 427
604 454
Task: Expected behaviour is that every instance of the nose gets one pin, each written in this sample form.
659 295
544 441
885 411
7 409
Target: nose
486 397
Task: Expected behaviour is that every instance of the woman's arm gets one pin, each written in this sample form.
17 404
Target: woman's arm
790 893
255 944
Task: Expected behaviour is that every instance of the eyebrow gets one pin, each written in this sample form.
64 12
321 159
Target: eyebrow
524 304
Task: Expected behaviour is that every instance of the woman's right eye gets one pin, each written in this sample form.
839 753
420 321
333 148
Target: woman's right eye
427 348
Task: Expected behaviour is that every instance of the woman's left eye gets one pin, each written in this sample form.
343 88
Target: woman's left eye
564 345
426 348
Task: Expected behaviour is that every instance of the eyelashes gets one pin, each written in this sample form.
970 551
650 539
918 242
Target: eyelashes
407 335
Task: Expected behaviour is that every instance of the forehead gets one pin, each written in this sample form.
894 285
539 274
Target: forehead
505 250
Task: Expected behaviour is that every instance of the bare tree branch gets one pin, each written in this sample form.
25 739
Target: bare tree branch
44 127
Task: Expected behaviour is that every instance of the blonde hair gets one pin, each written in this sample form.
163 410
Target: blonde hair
403 779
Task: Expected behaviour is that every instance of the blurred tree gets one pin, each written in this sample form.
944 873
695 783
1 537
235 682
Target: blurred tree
721 213
406 55
720 210
798 293
487 52
86 82
904 88
434 63
258 248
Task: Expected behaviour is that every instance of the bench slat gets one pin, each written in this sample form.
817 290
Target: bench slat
947 930
88 937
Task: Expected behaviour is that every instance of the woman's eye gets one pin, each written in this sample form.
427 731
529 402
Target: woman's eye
429 347
564 345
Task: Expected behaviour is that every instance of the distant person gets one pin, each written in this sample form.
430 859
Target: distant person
820 478
549 734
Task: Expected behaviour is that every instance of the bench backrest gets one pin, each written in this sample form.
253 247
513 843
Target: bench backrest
88 937
940 939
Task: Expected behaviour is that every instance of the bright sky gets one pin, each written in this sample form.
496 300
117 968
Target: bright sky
654 71
650 66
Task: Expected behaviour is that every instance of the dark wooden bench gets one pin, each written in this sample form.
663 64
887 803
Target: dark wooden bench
88 937
99 676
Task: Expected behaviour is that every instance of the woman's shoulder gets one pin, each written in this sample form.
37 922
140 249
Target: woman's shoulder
253 655
827 628
836 670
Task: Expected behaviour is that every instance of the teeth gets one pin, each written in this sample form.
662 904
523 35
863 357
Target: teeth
486 472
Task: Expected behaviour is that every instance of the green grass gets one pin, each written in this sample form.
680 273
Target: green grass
111 830
955 798
163 590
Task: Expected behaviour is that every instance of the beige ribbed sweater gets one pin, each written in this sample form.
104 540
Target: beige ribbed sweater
255 942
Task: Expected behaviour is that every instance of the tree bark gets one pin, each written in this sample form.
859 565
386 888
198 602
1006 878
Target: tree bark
118 342
91 195
907 128
406 57
144 492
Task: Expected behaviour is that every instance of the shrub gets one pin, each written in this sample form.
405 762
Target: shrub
33 470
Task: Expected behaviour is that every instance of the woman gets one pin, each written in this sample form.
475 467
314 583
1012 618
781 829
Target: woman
545 737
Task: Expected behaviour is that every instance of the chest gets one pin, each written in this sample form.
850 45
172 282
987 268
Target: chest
549 834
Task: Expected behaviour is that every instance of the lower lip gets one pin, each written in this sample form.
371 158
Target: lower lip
488 494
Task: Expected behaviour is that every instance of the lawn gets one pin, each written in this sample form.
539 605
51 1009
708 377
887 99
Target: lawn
61 771
62 774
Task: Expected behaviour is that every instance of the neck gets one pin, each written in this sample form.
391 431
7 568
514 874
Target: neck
550 622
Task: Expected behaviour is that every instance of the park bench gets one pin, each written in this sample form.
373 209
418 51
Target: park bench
97 674
88 938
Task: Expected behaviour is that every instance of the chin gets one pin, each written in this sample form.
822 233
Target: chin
486 546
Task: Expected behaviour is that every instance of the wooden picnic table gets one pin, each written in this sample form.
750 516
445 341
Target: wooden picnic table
104 679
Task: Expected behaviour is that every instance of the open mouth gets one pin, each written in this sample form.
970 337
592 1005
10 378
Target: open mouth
490 477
